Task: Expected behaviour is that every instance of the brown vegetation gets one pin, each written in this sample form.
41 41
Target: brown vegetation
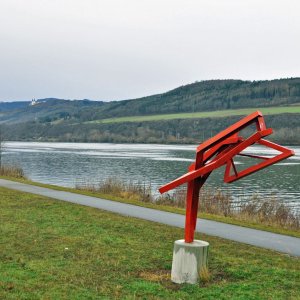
117 187
254 209
12 171
268 211
205 275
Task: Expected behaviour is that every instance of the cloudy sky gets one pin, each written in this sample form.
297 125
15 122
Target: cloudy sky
120 49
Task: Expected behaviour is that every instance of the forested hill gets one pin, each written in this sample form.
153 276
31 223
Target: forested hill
208 96
196 97
187 114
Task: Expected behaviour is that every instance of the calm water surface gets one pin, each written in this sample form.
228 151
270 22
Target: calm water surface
68 164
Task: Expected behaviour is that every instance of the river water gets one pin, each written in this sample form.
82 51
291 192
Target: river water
68 164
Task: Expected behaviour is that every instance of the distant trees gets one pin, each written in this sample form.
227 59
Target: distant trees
62 120
286 130
201 96
208 96
197 97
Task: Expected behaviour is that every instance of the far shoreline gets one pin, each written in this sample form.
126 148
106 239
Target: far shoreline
126 143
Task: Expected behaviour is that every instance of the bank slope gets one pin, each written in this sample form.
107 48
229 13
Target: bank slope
52 249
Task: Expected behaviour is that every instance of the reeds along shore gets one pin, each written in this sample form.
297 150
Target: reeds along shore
12 171
119 188
252 209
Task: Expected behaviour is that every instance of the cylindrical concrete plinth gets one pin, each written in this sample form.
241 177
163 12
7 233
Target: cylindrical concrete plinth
188 260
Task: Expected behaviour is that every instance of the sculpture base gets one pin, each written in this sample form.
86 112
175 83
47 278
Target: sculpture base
188 261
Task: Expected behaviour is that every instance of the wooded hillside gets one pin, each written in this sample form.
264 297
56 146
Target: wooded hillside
196 97
66 120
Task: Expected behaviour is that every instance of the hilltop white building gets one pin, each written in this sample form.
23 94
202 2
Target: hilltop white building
33 102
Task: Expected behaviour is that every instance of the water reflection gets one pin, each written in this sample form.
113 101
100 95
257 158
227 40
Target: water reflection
67 164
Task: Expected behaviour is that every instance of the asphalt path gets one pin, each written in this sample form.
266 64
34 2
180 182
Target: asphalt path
278 242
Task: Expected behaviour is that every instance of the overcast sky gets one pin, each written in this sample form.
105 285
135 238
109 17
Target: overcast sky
120 49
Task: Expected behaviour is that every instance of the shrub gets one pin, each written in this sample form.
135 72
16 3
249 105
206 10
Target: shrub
117 187
12 171
212 201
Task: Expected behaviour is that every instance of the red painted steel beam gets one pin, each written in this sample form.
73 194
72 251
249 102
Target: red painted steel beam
213 151
257 167
270 161
218 151
253 156
216 163
238 126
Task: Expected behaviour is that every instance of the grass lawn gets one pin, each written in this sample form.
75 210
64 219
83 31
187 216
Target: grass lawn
56 250
228 220
207 114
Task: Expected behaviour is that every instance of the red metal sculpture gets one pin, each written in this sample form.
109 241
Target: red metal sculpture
218 151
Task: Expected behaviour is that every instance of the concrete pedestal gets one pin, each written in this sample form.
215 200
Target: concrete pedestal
188 260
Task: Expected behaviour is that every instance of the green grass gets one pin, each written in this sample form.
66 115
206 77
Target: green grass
55 250
206 114
228 220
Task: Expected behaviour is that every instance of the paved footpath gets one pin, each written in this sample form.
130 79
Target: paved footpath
264 239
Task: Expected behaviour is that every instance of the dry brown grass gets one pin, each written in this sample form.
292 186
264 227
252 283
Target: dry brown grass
204 275
12 171
156 275
211 201
116 187
254 209
268 211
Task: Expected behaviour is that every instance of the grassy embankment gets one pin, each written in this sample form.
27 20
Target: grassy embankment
207 114
56 250
244 220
